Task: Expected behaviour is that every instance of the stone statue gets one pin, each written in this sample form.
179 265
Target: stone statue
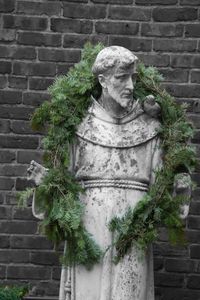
115 153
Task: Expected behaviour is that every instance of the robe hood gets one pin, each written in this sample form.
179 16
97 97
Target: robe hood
135 128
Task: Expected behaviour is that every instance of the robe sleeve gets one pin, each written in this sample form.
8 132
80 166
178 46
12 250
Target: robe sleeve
157 161
35 211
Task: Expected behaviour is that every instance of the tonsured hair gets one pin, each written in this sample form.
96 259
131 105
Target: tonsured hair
113 56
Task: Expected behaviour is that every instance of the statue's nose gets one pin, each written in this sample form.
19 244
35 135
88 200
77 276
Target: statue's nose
130 84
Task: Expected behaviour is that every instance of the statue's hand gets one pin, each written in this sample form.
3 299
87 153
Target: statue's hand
151 107
36 172
183 186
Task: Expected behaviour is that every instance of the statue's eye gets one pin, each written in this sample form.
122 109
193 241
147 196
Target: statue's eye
121 76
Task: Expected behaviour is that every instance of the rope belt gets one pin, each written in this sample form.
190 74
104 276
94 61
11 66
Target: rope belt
118 183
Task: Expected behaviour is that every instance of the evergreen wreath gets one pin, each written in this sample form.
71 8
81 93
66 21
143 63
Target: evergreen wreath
58 194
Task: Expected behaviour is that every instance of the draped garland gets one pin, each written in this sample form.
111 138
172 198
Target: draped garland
58 194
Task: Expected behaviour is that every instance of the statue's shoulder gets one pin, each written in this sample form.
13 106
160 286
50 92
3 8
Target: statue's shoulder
152 122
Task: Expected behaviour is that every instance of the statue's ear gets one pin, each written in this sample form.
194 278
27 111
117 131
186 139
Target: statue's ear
102 80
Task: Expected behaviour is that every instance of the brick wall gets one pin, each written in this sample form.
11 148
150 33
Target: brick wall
42 39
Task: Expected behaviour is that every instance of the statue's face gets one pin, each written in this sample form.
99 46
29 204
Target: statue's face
120 85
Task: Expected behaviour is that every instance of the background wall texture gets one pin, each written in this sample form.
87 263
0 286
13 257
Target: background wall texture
42 39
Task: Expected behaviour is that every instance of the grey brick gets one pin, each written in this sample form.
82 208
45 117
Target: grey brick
192 30
29 242
122 2
7 35
14 256
180 265
35 69
153 2
17 82
164 249
186 91
21 52
5 67
21 142
135 44
56 273
39 8
28 272
3 81
196 139
4 126
18 227
18 112
175 14
10 97
10 198
44 258
5 212
77 1
7 156
17 52
2 271
178 45
50 288
4 241
195 76
6 183
7 6
194 222
59 55
26 156
23 214
185 61
22 183
157 60
79 40
195 207
12 170
21 127
71 26
39 39
192 236
84 11
175 280
129 13
161 30
34 98
117 28
25 23
158 263
175 75
190 2
40 83
193 282
62 69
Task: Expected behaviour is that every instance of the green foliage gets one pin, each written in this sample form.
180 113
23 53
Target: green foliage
58 195
159 206
12 293
23 196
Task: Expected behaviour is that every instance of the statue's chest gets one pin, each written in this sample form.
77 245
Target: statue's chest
99 161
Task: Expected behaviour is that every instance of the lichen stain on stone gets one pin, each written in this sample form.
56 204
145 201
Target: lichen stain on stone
133 162
116 166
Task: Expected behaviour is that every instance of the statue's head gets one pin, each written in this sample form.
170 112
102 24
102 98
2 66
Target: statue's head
115 68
